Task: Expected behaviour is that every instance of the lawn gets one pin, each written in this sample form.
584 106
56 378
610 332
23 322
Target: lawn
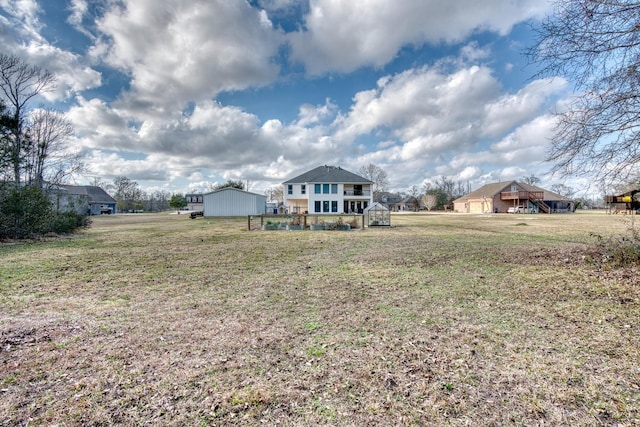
442 319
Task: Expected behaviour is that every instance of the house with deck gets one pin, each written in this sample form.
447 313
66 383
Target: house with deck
513 197
327 189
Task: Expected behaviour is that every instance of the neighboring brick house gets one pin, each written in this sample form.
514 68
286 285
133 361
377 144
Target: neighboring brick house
512 196
327 189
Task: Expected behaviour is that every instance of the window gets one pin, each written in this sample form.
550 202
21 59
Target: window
317 206
325 188
317 189
334 188
289 188
303 189
325 206
334 206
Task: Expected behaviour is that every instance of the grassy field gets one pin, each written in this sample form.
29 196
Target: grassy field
439 320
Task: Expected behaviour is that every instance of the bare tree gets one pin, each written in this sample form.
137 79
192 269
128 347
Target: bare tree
447 186
563 190
596 45
378 176
45 154
105 185
430 201
127 193
531 179
275 194
19 84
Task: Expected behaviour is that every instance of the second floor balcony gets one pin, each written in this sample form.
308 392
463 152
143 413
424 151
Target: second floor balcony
522 195
356 193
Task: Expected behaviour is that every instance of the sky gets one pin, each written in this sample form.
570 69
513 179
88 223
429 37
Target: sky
178 95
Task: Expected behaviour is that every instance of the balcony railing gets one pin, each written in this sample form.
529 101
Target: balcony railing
522 195
366 193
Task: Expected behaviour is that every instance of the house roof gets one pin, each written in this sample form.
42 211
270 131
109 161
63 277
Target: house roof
329 174
487 190
389 198
408 200
94 193
492 189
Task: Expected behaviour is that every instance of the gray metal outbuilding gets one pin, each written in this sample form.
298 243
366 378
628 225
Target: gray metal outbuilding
231 201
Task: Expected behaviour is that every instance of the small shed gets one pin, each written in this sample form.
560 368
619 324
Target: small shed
376 215
231 201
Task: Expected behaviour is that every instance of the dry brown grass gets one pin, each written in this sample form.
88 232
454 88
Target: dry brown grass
440 320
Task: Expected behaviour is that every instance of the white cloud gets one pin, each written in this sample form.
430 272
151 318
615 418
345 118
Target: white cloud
511 109
109 165
472 52
217 138
99 126
431 111
314 114
187 50
347 35
20 36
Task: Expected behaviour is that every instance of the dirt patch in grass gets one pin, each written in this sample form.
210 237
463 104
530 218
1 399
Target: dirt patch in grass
439 320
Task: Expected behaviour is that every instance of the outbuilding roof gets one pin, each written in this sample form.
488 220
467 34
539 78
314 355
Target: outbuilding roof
329 174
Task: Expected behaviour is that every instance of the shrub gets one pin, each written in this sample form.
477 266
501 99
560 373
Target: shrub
67 222
24 211
27 212
618 251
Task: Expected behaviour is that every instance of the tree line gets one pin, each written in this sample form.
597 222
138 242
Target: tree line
130 197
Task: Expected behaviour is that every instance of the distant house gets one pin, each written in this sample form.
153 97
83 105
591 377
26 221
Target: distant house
195 202
84 199
327 189
392 201
408 204
230 201
512 196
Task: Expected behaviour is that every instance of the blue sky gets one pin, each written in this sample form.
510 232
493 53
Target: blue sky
182 94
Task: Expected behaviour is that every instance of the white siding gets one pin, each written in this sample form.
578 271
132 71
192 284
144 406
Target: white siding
234 202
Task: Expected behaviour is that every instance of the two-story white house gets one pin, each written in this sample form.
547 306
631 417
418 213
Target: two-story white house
327 189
